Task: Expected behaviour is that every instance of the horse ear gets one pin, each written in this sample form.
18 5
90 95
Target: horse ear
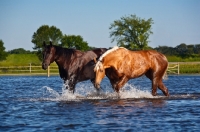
44 44
51 44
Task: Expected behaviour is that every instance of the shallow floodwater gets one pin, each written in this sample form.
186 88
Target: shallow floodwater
39 103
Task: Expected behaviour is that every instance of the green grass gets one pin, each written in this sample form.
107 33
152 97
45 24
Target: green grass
179 59
20 60
19 64
189 68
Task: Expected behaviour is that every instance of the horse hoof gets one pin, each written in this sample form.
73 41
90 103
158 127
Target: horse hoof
167 94
154 94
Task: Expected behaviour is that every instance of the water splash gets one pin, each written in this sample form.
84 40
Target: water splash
129 91
50 92
86 91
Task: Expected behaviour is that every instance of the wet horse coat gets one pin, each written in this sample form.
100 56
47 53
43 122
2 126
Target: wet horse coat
74 66
120 65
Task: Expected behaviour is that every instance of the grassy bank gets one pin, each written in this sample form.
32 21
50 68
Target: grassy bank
20 60
189 68
26 64
179 59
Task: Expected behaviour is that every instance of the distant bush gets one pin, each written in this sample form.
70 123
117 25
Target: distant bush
21 51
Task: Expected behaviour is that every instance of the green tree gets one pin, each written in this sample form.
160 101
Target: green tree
166 50
45 33
183 50
131 32
75 42
3 53
197 49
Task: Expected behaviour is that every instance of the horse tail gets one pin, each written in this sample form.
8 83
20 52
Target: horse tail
165 76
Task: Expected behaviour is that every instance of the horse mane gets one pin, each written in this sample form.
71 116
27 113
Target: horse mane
65 51
99 64
110 51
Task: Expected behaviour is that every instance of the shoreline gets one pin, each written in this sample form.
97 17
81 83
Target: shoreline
56 74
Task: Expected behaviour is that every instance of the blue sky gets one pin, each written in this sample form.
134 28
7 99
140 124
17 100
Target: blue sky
175 21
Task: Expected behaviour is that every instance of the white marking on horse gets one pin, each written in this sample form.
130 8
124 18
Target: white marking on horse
99 64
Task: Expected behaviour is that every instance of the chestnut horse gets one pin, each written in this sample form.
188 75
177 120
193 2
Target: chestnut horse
74 66
120 65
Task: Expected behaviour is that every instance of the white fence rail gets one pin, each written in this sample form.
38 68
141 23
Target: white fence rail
183 67
173 68
28 70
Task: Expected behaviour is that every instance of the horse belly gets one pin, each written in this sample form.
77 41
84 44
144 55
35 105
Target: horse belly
138 72
87 73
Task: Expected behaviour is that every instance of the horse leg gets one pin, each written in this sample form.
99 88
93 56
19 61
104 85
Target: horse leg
72 88
121 83
66 82
149 74
156 82
93 81
70 85
154 86
162 87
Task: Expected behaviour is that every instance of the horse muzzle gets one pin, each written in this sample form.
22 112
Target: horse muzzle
44 66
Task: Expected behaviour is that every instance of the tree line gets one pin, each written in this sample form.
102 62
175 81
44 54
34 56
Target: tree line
182 50
131 32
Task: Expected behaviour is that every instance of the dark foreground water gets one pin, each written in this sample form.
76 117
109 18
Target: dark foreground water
41 104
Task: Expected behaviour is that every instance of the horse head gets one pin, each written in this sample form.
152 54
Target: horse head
100 73
48 55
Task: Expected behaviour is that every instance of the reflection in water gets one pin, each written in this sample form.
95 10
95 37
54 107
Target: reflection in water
137 103
113 112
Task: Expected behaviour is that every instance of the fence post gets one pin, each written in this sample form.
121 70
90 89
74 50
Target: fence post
178 68
48 72
30 67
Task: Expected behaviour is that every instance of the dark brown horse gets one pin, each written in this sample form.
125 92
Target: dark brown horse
120 65
74 66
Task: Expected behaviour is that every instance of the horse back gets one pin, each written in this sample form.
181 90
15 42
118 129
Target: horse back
136 63
150 58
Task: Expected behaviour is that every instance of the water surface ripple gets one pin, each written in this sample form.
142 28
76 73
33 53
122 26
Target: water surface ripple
39 103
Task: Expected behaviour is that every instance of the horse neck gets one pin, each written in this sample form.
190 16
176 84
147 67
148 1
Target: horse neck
63 55
112 59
